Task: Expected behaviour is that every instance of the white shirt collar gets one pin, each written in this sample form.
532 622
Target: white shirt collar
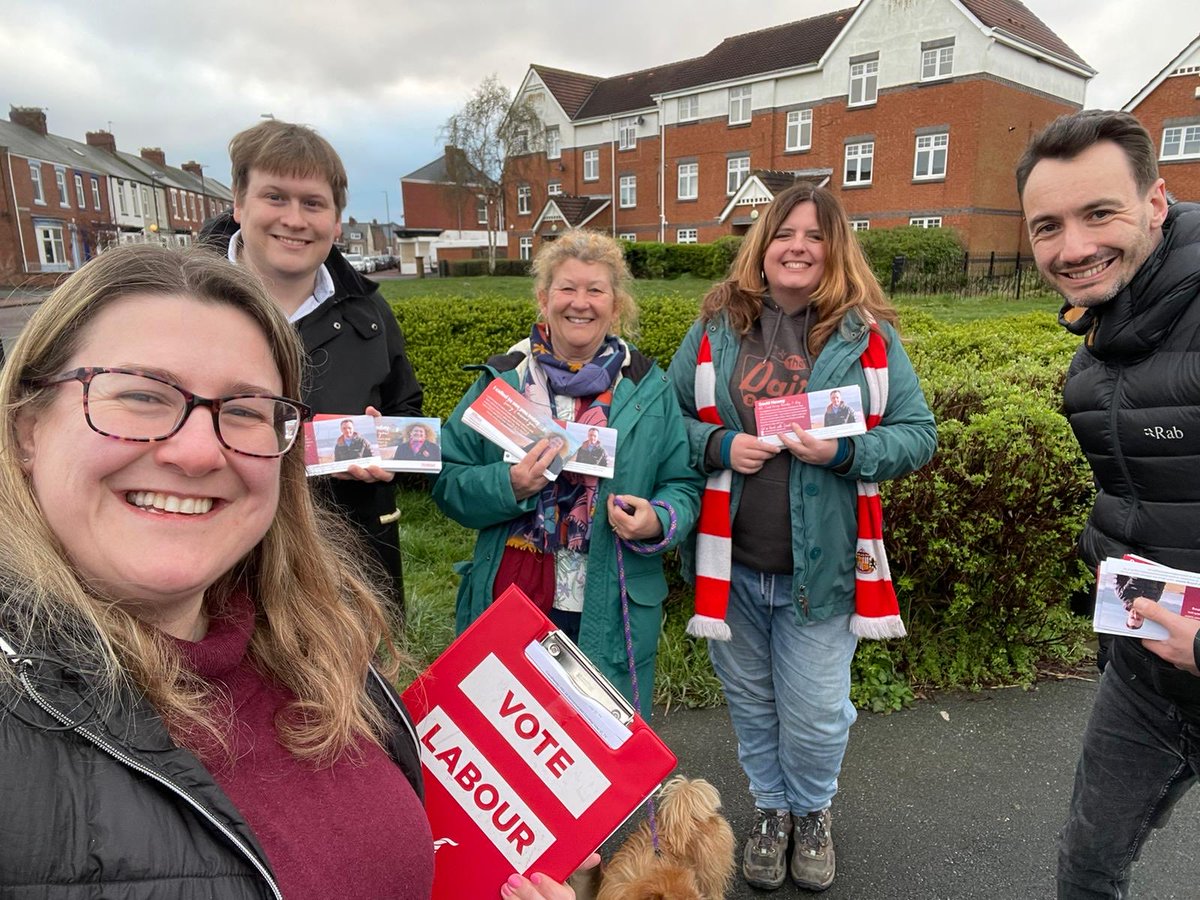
322 286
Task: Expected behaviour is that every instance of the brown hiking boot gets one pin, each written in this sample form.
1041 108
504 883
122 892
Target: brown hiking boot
813 864
764 862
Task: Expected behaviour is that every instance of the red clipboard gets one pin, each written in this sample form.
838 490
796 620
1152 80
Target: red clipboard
531 759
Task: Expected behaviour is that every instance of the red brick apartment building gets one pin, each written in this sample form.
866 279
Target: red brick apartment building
915 113
62 201
1169 107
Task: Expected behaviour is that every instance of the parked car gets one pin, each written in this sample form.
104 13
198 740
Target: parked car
381 262
360 263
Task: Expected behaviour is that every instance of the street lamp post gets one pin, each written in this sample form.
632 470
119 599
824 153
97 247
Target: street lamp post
387 205
154 176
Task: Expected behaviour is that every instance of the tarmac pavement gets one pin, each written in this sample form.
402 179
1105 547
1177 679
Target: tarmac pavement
958 798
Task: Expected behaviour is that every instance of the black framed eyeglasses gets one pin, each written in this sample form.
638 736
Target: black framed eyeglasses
131 405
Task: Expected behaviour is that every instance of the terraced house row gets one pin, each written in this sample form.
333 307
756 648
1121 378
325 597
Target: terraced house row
914 111
62 200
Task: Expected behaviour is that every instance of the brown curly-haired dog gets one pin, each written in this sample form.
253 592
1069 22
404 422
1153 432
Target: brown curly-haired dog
696 858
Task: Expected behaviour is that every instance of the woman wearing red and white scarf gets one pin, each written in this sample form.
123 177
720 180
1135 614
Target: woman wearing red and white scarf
554 539
788 560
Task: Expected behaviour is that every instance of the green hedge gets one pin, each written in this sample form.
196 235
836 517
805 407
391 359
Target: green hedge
649 259
927 249
981 541
466 268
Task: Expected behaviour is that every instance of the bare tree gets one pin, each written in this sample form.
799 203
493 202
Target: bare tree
489 128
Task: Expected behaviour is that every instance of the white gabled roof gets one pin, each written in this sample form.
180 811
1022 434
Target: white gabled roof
1188 51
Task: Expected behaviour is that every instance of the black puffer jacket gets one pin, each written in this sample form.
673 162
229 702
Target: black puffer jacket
112 808
1133 399
357 359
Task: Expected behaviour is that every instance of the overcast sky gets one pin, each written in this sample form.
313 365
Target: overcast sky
379 78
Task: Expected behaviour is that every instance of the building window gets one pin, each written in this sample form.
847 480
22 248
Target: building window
553 143
524 196
689 181
60 179
121 197
737 170
174 203
689 108
628 191
739 105
860 225
192 207
96 192
937 63
35 175
591 165
630 236
931 156
1181 142
136 199
520 142
481 216
627 134
52 250
864 82
554 189
526 247
859 159
926 221
799 129
146 200
80 197
685 236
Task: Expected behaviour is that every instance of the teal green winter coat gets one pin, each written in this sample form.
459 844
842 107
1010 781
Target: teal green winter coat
652 461
823 502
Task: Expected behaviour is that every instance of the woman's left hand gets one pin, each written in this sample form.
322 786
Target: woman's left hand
641 523
539 887
366 474
807 448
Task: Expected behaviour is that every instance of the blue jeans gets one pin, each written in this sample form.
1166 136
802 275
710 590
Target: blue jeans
788 690
1138 759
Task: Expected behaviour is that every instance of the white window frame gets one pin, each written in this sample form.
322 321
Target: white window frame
860 225
80 196
60 181
858 153
628 192
926 221
937 63
96 192
737 170
630 236
50 238
688 108
481 209
524 199
591 165
121 205
740 111
931 150
553 143
525 248
799 130
192 207
626 133
146 204
35 177
174 203
686 236
864 77
1181 135
688 181
554 189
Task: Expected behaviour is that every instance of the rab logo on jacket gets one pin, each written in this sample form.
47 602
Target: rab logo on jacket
864 562
1159 433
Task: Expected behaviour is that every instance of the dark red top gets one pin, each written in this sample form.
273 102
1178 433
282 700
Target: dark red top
351 829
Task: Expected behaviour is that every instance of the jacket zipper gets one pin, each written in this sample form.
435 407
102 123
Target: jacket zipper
1118 452
132 763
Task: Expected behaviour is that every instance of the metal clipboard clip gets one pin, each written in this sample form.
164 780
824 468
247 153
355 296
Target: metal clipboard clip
603 707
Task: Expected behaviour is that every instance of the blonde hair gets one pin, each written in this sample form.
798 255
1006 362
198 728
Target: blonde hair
281 148
847 282
318 622
590 247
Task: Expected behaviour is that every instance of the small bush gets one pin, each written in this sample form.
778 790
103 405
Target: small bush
468 268
928 249
649 259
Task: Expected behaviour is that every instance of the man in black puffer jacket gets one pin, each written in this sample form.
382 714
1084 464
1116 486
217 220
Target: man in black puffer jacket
289 189
1128 265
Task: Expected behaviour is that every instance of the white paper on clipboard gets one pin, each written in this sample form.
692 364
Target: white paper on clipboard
610 730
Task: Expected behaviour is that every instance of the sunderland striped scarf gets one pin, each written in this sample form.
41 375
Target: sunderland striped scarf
876 610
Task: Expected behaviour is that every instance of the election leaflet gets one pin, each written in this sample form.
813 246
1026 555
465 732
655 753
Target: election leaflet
1121 581
837 412
334 443
505 417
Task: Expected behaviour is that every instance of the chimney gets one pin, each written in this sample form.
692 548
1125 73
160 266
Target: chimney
102 139
31 117
155 155
193 168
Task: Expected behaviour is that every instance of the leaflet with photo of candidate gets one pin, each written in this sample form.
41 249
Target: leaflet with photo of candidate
334 443
837 412
596 453
1121 581
505 417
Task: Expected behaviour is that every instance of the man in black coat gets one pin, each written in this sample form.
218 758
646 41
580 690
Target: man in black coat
1128 265
289 189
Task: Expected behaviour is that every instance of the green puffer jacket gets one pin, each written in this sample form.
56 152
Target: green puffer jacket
823 503
651 462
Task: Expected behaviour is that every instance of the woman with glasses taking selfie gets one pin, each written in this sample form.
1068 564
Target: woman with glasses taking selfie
189 698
